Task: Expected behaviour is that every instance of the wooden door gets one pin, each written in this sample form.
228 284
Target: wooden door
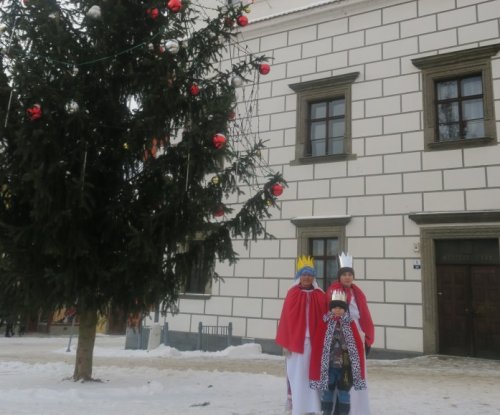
469 310
454 317
485 283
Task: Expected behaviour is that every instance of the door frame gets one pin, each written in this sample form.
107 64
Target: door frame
428 234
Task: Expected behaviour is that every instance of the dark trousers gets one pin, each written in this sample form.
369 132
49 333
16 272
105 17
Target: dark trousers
9 329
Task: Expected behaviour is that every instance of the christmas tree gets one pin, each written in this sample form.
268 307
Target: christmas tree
122 141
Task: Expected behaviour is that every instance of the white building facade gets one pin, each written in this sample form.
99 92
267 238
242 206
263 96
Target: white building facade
384 117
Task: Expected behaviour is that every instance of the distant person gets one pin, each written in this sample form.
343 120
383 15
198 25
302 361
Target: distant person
359 312
9 327
300 319
342 359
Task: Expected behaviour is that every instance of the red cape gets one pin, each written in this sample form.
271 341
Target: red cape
292 325
318 375
365 318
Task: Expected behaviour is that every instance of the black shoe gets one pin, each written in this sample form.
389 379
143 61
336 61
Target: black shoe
344 408
326 407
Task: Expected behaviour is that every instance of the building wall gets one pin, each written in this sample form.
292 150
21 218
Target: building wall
392 175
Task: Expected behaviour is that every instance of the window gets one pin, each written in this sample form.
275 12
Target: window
460 112
198 269
326 127
458 98
325 252
323 238
324 119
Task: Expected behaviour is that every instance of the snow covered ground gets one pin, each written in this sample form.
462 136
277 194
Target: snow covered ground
237 381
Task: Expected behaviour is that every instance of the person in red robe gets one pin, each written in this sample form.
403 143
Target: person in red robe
359 312
342 361
301 318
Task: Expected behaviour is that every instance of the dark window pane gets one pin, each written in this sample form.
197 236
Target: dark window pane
448 132
198 268
318 130
318 247
336 128
318 148
472 86
447 90
318 110
448 112
320 267
331 266
325 252
336 146
472 109
474 129
332 247
337 108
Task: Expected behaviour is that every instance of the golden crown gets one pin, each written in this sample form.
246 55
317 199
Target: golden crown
305 261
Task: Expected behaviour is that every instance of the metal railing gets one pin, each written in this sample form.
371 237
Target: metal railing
212 338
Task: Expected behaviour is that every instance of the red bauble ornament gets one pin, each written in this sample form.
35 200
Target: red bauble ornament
174 5
194 89
219 212
277 189
34 112
153 13
242 20
264 68
219 140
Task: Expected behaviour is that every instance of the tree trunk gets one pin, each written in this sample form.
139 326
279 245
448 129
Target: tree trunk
85 349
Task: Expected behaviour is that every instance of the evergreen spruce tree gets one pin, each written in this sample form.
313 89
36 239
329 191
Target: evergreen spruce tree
118 149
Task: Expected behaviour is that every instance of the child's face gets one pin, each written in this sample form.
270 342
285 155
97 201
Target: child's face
338 311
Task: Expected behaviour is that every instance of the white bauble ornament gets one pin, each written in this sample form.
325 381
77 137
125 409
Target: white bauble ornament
71 107
236 81
172 46
94 12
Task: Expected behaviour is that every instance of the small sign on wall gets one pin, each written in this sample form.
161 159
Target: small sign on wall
416 265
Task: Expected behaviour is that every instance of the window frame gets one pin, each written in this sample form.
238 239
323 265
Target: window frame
456 65
325 258
332 227
207 291
326 120
318 90
459 99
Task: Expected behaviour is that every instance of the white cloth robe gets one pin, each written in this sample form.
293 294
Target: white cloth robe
304 399
360 404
